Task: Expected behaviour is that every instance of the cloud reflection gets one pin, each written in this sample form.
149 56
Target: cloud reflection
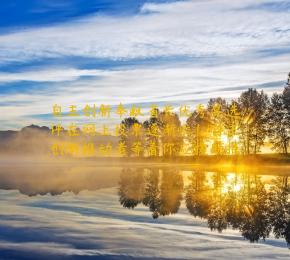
93 224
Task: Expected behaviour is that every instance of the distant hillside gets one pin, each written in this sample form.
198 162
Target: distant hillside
38 140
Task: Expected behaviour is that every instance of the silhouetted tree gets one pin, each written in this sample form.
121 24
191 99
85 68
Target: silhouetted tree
148 125
132 135
217 108
286 94
233 127
253 105
171 139
278 124
198 132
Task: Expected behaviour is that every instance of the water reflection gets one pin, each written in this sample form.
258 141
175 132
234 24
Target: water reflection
253 204
256 205
159 190
55 180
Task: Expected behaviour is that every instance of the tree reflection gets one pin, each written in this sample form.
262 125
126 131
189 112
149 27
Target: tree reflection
255 222
226 200
160 190
198 196
152 192
217 215
131 188
280 209
170 192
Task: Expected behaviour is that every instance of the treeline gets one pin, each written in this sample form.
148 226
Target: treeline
240 126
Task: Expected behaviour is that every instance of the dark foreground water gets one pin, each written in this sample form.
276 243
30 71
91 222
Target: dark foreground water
76 212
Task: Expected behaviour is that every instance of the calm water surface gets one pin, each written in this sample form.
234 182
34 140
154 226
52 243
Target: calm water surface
76 212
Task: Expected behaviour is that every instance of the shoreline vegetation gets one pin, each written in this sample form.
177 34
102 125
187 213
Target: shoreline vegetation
237 131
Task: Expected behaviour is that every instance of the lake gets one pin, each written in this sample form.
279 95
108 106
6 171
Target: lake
65 211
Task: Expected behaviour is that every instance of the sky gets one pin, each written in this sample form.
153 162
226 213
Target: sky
77 52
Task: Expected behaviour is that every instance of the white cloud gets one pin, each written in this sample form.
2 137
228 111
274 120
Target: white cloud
178 85
184 28
218 30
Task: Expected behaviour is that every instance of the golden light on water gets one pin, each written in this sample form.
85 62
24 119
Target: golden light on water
232 183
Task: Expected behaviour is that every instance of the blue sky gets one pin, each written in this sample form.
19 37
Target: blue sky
181 52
